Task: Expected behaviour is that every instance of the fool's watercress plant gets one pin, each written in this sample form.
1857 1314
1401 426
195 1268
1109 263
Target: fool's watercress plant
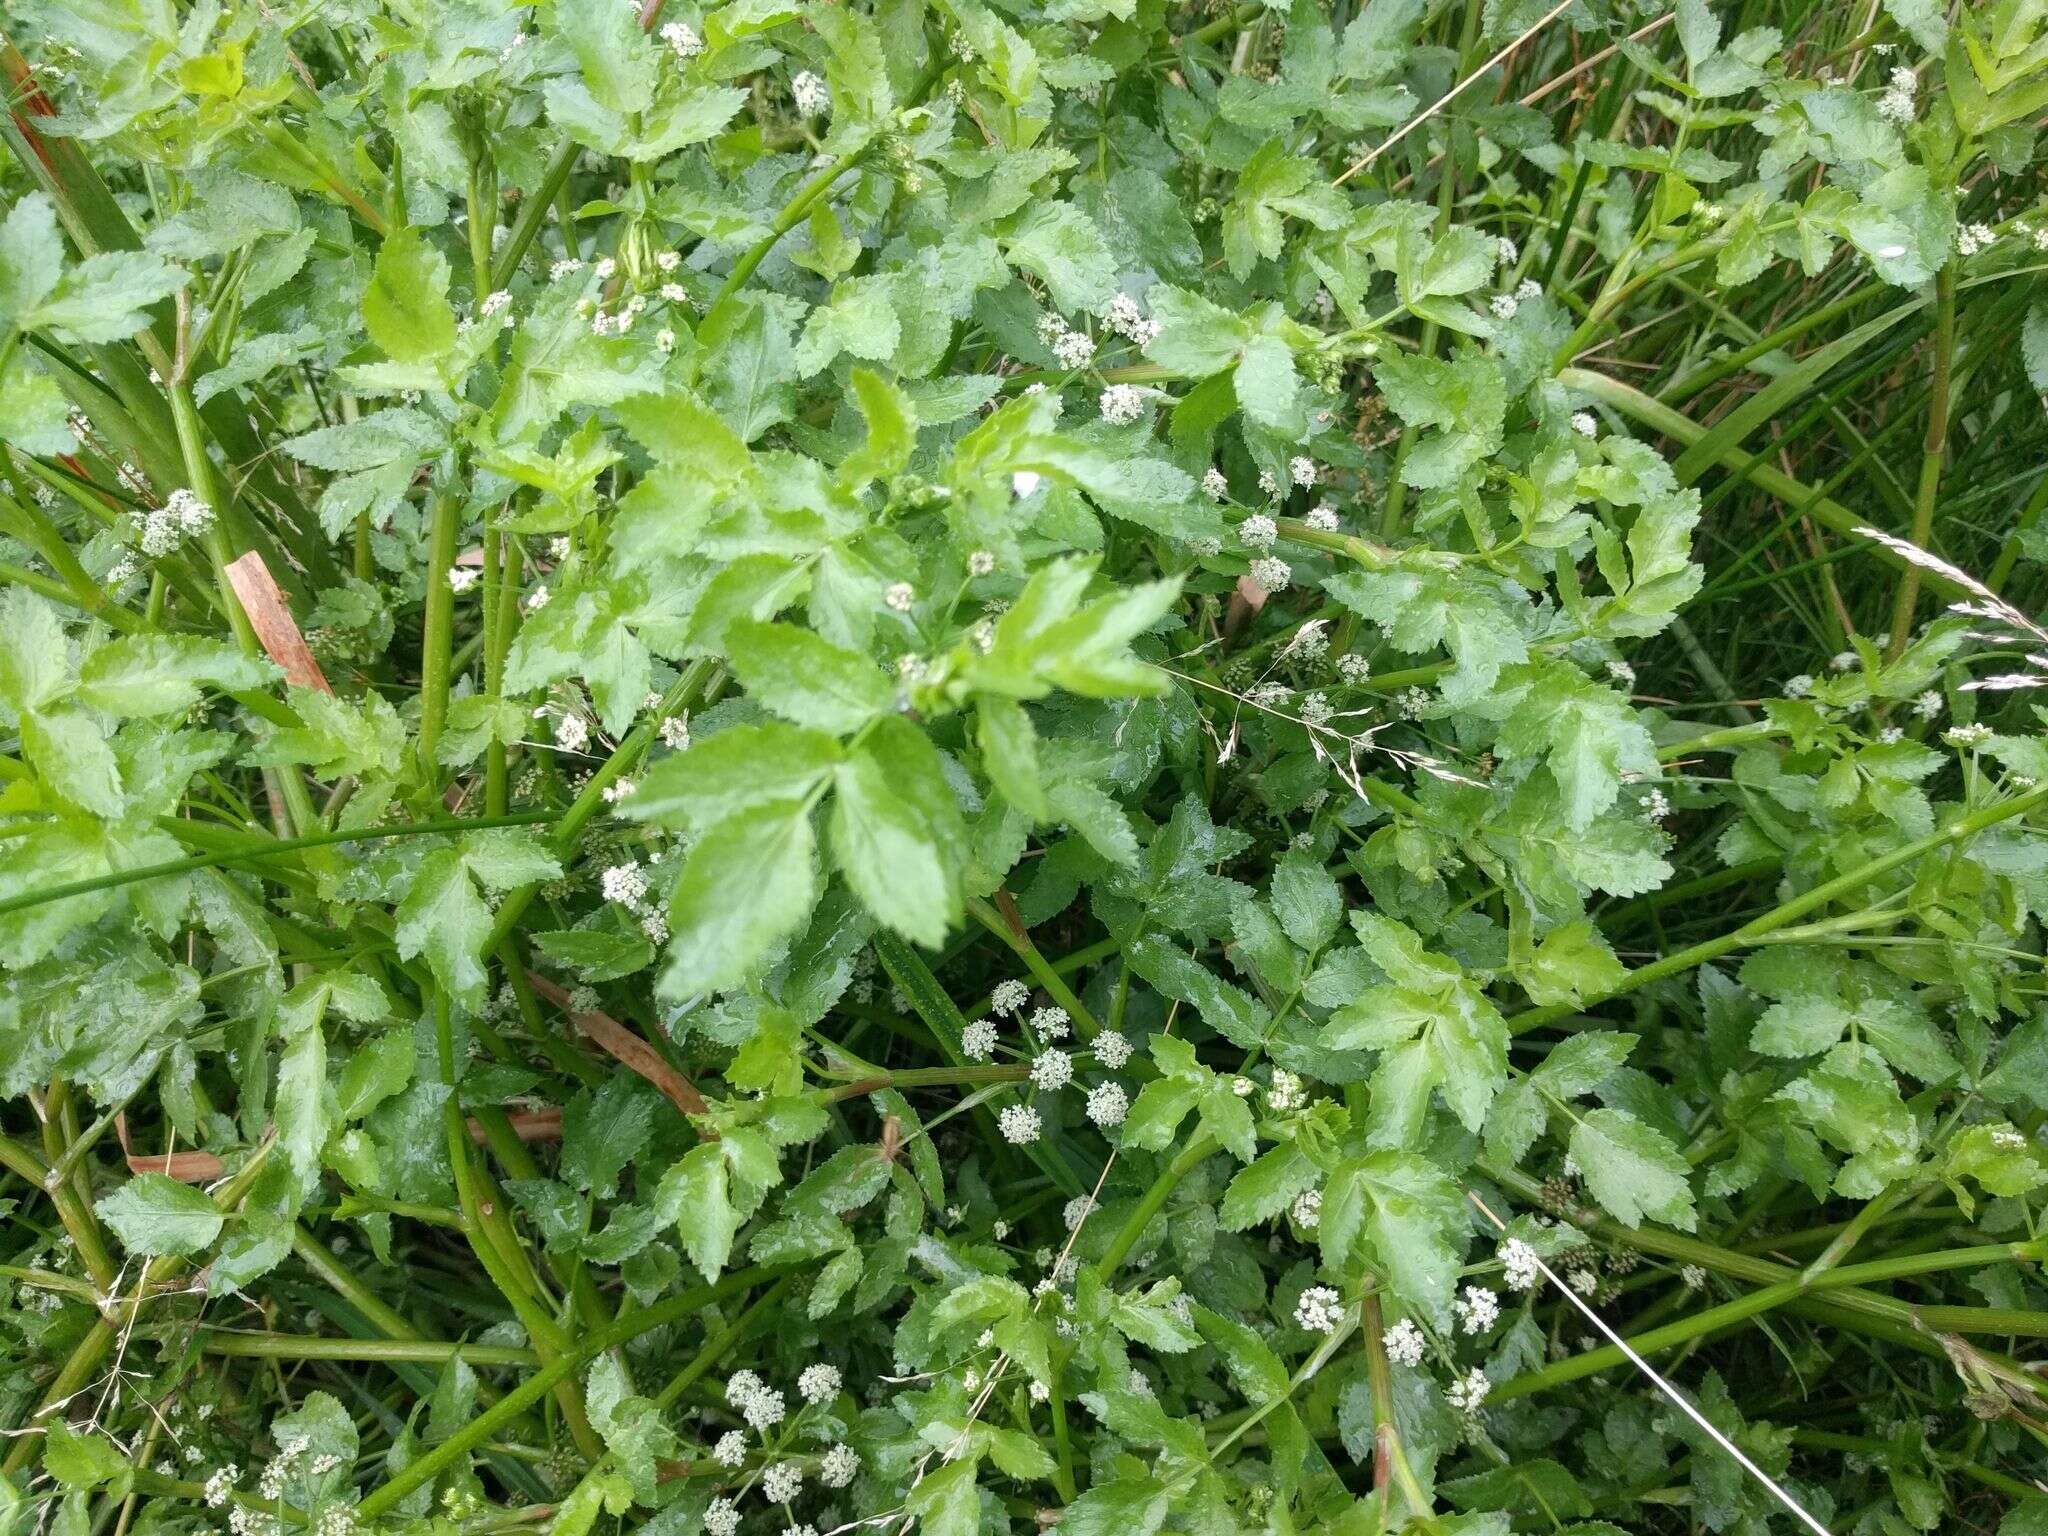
782 764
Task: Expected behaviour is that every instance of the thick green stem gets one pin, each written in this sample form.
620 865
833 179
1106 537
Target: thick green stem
1787 913
439 638
1153 1200
672 1309
985 913
1713 1319
1933 451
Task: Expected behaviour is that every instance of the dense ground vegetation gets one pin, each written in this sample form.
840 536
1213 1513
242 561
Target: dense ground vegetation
971 764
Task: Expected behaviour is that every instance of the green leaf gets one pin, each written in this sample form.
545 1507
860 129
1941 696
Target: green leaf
155 1214
747 885
1632 1169
1410 1215
84 1459
443 918
405 307
806 678
1127 1506
152 674
887 847
1059 244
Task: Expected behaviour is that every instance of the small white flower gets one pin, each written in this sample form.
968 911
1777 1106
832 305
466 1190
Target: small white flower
220 1487
665 339
1108 1104
1112 1049
1285 1094
1353 668
604 269
1928 704
1025 482
1654 805
812 97
682 40
978 1040
674 293
1478 1309
1258 531
1128 321
1074 349
625 884
1322 516
1308 1209
563 268
572 734
675 732
742 1386
900 596
1799 687
764 1410
981 562
1967 736
1269 482
1412 703
1076 1211
1505 251
1213 483
1319 1309
1009 996
1468 1392
1585 424
1052 1070
1518 1265
721 1517
731 1449
1972 238
668 261
839 1466
819 1383
1122 404
1403 1343
1503 306
1528 289
462 577
1693 1277
537 599
1050 1023
1844 661
1891 735
1019 1124
1272 573
1302 470
1622 673
1582 1279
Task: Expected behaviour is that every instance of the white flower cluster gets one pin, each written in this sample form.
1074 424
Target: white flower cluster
1897 104
1468 1392
1972 238
1258 531
1478 1309
900 597
1319 1309
1518 1265
1301 469
1272 573
1050 1023
1108 1104
839 1466
978 1040
1122 404
1322 516
1286 1094
682 39
462 577
1403 1343
1308 1209
1129 322
1070 348
1052 1070
1214 485
182 516
758 1403
1112 1049
810 93
1009 997
1019 1124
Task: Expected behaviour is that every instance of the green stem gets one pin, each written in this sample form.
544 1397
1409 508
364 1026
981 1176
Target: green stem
1786 913
716 1347
1150 1204
78 1221
1933 452
672 1309
266 849
438 642
985 913
291 1346
1770 1297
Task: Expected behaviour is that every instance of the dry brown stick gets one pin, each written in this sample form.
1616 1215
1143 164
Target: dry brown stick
625 1047
271 617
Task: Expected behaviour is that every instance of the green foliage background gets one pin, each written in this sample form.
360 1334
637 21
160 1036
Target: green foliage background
976 765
